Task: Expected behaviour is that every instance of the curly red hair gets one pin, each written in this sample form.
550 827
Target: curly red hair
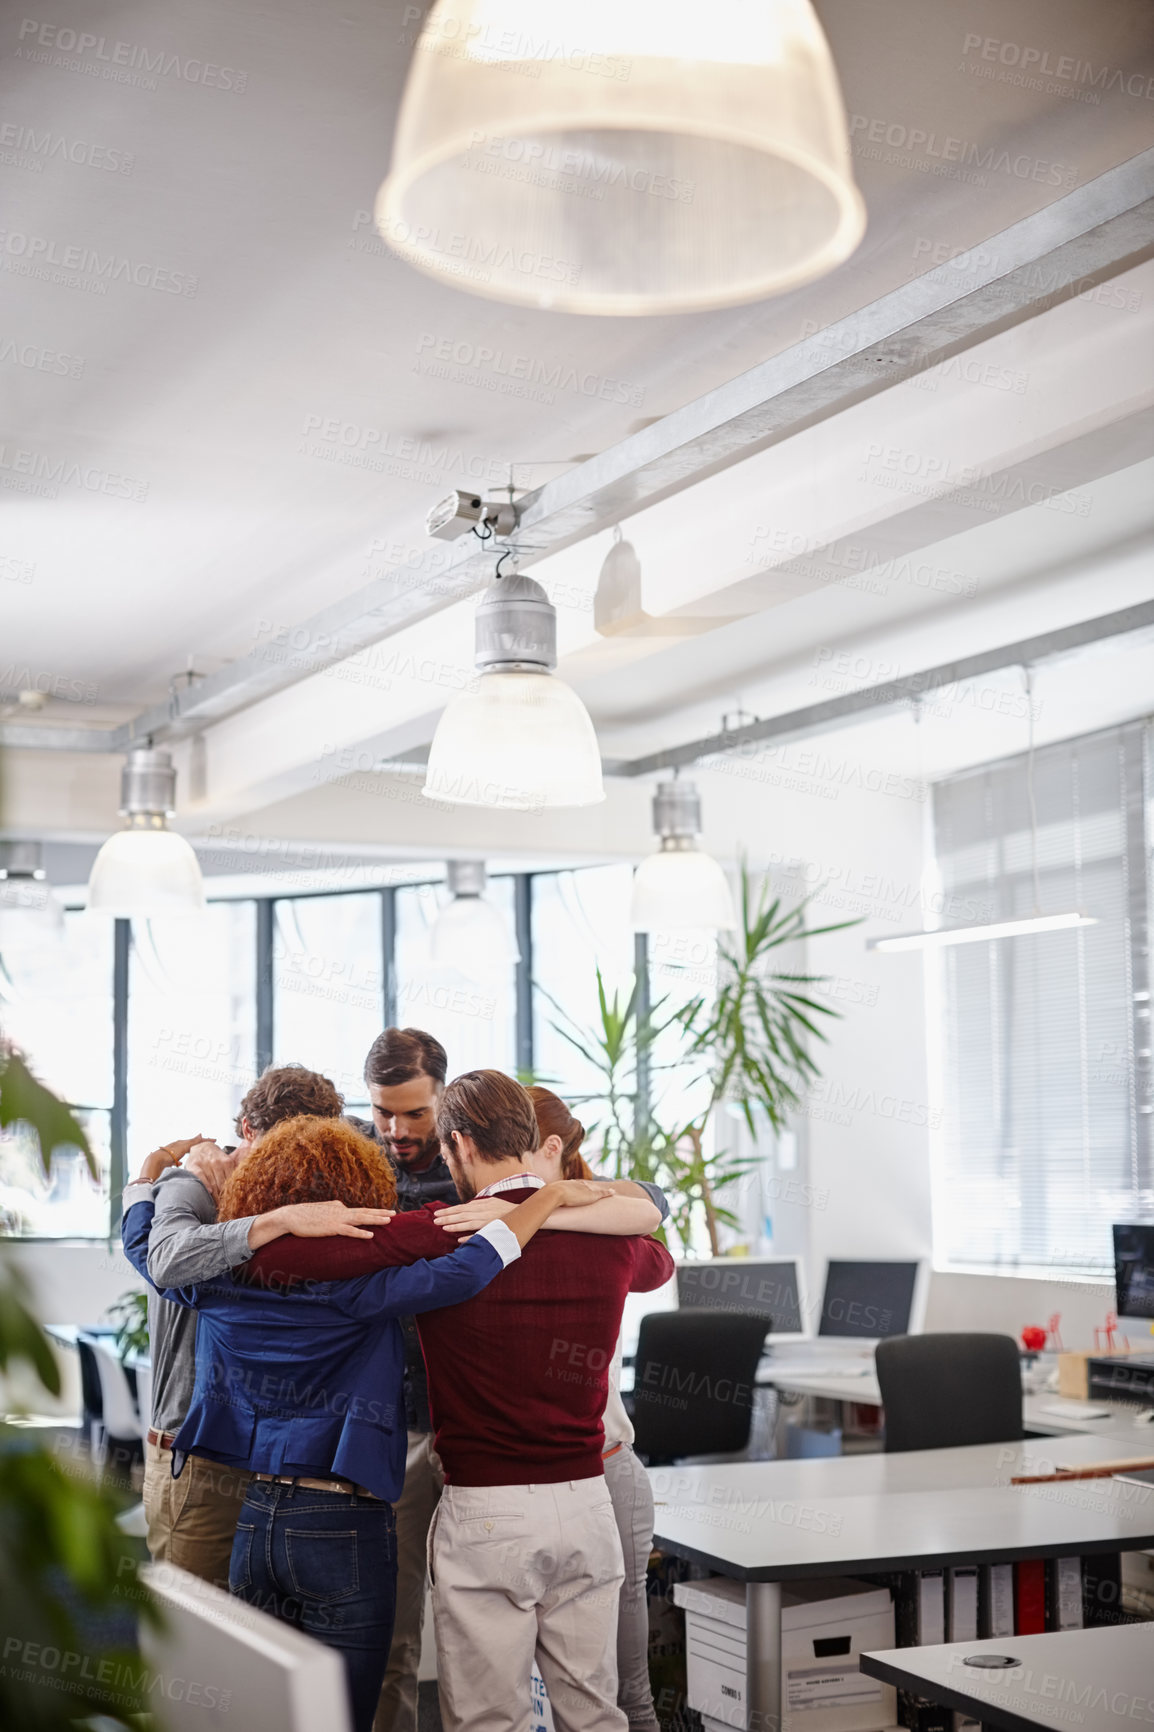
309 1160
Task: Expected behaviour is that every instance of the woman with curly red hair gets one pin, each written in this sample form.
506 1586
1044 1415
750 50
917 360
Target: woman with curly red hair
300 1384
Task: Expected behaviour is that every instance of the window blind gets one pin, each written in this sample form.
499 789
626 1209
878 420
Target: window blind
1045 1131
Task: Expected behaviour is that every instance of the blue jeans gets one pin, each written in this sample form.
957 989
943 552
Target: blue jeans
325 1562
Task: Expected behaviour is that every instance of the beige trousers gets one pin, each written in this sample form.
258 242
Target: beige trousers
192 1520
524 1572
424 1477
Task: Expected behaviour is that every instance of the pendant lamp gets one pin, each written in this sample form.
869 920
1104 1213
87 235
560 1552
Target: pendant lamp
30 915
622 156
469 934
679 886
146 871
521 740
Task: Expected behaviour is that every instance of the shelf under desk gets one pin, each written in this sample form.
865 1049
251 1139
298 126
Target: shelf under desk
765 1523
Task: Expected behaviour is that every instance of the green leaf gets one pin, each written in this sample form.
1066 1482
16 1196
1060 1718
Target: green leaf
24 1100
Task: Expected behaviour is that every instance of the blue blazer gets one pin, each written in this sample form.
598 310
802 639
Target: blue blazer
309 1382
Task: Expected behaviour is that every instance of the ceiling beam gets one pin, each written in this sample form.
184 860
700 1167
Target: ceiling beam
1090 235
876 701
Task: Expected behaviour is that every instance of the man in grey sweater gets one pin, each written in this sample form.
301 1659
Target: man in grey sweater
192 1520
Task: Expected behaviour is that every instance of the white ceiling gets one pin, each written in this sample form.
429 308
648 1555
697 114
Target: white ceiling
213 403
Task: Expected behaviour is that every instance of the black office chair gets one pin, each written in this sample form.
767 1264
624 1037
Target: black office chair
942 1391
693 1383
91 1398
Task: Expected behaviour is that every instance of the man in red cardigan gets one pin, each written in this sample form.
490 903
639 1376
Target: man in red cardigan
524 1554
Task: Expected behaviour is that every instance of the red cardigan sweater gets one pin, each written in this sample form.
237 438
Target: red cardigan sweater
518 1375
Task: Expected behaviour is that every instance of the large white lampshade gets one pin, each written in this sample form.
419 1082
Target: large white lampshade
679 887
622 156
469 934
521 740
146 871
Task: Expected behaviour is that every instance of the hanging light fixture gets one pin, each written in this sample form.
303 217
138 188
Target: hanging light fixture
146 871
1020 926
469 934
652 157
521 740
30 915
679 886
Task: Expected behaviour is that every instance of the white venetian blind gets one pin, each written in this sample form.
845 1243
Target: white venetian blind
1045 1141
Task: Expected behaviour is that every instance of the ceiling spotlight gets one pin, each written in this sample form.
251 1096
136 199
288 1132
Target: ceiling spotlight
679 886
655 157
146 871
30 915
469 934
521 740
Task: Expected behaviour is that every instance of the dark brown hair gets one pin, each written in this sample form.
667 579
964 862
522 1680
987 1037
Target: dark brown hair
555 1120
491 1108
287 1091
309 1160
400 1054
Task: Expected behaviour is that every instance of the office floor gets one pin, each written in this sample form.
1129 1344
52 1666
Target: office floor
428 1711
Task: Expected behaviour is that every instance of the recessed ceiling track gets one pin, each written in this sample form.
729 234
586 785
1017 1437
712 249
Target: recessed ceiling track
893 695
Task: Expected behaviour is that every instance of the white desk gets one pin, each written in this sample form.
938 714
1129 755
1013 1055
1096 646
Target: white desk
1095 1680
768 1522
843 1380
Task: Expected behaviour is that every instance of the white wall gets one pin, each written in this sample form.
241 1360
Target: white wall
69 1283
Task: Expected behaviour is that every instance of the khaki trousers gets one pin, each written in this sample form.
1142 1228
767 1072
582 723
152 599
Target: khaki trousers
524 1572
192 1520
632 1497
424 1477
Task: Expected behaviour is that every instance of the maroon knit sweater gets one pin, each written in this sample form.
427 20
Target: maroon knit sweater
518 1375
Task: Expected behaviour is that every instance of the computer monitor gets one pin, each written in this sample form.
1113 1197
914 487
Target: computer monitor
869 1301
1134 1270
752 1286
222 1664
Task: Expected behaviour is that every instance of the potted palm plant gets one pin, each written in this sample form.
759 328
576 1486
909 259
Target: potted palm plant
747 1045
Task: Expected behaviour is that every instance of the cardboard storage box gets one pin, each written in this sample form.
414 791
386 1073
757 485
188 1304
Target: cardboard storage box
824 1627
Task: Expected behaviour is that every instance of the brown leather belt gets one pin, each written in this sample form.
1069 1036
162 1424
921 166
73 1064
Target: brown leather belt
342 1485
161 1439
606 1453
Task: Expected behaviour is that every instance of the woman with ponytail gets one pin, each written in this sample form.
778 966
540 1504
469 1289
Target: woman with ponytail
559 1156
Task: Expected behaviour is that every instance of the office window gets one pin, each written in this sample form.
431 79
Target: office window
328 986
56 1005
1044 1137
580 923
475 1020
191 1025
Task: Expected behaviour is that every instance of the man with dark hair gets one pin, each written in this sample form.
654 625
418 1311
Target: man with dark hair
191 1520
525 1555
405 1073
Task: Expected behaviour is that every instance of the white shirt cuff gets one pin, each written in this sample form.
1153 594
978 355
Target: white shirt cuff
139 1191
503 1241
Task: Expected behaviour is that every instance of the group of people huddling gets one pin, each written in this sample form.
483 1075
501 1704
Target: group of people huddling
380 1345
